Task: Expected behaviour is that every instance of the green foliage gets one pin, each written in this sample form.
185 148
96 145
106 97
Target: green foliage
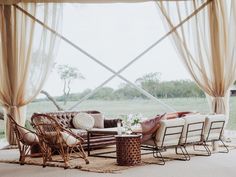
149 82
167 89
106 93
126 92
67 75
181 88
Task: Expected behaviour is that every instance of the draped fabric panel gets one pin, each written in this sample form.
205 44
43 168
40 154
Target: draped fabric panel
26 56
78 1
206 45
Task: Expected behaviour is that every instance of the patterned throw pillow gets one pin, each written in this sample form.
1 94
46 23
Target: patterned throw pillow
150 126
83 121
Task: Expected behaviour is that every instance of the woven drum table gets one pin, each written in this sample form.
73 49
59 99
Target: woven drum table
128 149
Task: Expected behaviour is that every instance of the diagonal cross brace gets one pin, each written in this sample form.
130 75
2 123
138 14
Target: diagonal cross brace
117 74
126 66
102 64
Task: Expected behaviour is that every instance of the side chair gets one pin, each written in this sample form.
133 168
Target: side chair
193 133
213 130
167 136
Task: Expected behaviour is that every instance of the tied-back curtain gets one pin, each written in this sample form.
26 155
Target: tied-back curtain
206 44
27 50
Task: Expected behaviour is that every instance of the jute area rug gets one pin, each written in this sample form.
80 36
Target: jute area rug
97 164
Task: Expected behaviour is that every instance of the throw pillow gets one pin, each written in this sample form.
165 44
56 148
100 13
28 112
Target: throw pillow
28 137
150 126
98 120
83 121
172 115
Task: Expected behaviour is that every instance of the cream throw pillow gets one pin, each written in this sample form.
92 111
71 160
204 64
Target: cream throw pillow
28 137
83 121
98 120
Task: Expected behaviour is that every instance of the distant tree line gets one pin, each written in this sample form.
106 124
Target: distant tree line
149 82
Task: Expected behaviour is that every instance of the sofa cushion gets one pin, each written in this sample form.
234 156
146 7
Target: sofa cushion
194 125
216 122
109 123
98 120
175 115
172 115
80 132
150 126
63 138
83 121
68 139
175 132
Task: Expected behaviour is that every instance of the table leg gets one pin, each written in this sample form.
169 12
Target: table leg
88 143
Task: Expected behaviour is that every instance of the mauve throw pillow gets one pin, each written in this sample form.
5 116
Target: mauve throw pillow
172 115
150 126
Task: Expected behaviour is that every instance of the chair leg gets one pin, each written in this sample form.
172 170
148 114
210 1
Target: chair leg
47 154
82 153
205 147
44 160
65 156
23 153
157 154
184 152
227 150
22 159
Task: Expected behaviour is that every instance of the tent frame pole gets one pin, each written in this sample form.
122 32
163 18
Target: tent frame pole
116 74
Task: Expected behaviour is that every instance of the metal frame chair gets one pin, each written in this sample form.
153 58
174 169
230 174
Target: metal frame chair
169 131
216 125
22 137
54 138
193 133
207 131
196 143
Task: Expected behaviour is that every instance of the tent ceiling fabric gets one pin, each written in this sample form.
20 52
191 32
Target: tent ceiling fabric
9 2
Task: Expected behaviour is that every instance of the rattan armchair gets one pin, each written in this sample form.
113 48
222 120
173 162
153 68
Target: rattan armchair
25 139
55 138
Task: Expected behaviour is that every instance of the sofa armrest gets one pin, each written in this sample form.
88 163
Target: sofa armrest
109 123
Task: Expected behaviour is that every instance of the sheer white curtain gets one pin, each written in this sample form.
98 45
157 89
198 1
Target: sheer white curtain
27 51
206 45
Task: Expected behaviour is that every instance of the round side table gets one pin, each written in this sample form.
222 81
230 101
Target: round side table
128 150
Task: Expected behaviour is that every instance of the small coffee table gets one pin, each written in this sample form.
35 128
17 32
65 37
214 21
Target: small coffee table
128 149
97 131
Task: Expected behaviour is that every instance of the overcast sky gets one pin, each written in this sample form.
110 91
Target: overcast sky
114 34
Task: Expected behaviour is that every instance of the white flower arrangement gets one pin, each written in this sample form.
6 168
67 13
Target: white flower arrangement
130 120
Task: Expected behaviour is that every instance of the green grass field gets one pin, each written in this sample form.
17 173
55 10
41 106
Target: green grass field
145 107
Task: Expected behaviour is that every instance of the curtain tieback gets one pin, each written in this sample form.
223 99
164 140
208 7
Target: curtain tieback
12 107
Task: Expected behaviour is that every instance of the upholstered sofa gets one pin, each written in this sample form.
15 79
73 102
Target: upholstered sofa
65 119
